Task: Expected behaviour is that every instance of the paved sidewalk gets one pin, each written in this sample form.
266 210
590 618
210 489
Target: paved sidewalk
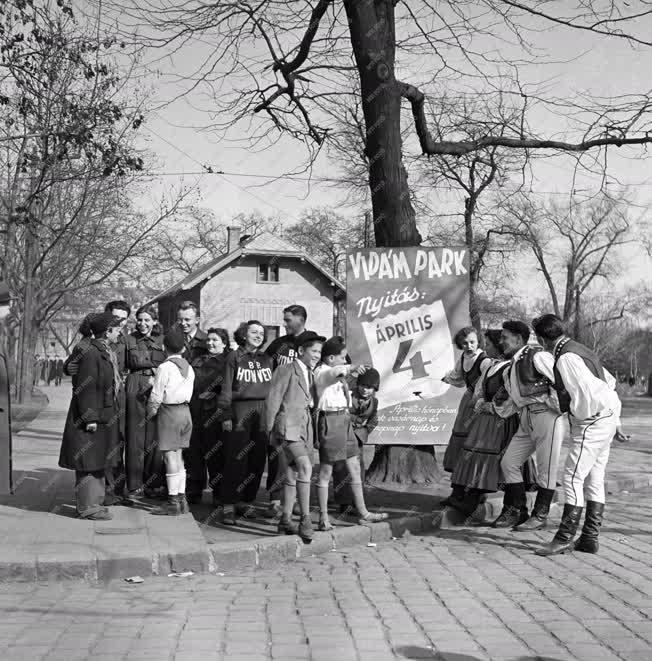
467 595
43 539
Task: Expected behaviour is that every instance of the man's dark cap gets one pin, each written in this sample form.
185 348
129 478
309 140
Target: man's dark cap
307 337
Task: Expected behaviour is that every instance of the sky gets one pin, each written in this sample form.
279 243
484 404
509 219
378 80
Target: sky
586 64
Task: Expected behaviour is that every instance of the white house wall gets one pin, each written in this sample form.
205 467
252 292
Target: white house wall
234 295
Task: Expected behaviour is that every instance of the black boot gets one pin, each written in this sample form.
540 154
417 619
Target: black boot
456 494
514 507
171 508
183 503
562 542
540 511
468 503
588 540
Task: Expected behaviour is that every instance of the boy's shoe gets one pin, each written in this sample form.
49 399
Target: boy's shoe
305 529
287 528
324 524
273 511
171 508
373 517
111 499
183 503
228 515
100 515
245 510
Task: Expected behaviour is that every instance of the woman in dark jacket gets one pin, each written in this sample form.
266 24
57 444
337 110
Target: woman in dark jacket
143 354
207 417
91 437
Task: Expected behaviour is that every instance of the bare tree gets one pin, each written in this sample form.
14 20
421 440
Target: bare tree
193 238
68 160
326 236
574 246
276 67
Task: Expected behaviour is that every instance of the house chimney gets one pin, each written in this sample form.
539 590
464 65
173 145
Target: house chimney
233 237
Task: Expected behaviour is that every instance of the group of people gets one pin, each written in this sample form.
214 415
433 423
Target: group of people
166 415
521 400
48 370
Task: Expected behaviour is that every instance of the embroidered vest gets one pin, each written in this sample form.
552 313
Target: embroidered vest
471 377
531 382
590 360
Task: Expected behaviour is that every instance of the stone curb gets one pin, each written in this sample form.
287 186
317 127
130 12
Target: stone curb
263 554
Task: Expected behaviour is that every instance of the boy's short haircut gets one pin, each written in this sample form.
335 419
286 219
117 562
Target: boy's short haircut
188 305
297 311
118 305
174 341
333 347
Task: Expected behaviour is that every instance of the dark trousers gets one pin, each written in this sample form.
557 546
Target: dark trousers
342 493
89 492
205 454
245 453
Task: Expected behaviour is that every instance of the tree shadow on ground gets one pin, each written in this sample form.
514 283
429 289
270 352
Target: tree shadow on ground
43 490
482 535
416 652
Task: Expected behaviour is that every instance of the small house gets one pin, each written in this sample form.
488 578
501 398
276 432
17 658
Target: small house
256 279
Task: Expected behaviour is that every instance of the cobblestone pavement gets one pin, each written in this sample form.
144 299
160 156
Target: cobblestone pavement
458 595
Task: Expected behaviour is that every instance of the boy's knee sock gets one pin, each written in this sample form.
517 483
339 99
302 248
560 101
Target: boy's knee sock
172 480
358 498
303 496
182 481
289 496
322 493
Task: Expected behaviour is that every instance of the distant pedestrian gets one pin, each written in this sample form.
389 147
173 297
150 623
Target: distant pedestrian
91 437
169 402
58 372
586 392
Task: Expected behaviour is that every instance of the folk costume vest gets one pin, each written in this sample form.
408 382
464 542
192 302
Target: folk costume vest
493 385
471 377
531 382
590 359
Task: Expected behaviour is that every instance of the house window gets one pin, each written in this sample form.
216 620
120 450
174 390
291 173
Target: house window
267 272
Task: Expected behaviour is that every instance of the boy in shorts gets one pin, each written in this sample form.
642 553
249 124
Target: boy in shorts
288 419
335 436
169 401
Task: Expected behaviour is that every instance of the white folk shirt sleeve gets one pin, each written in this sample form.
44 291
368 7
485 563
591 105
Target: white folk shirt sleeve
589 395
544 363
331 392
455 377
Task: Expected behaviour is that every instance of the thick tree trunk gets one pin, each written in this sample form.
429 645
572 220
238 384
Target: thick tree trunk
474 271
372 28
371 24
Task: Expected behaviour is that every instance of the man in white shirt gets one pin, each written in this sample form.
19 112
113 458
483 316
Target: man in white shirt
586 391
541 430
169 401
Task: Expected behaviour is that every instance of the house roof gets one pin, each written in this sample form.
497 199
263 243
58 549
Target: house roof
265 244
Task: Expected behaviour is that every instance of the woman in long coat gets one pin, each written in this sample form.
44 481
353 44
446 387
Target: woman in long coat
143 354
207 417
91 437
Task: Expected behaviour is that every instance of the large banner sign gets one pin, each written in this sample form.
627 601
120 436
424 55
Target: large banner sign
404 305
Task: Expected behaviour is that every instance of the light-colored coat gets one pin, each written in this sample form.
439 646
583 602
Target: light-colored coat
287 413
